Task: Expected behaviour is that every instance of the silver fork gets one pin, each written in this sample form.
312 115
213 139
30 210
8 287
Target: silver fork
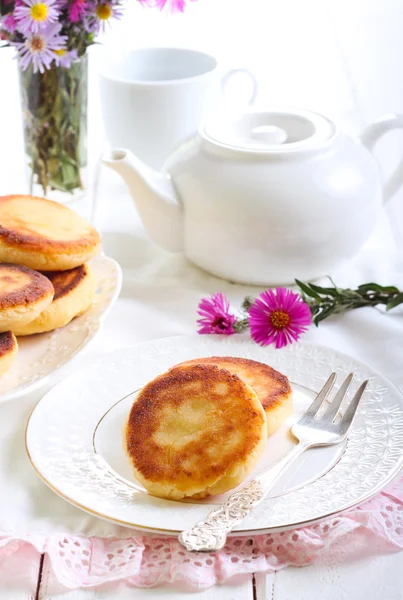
312 429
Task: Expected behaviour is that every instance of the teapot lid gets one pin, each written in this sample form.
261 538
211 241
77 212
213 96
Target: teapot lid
268 131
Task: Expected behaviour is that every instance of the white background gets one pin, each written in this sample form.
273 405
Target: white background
343 58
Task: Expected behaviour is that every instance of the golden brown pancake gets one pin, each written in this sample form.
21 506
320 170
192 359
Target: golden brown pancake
195 431
24 294
8 350
272 388
74 293
44 235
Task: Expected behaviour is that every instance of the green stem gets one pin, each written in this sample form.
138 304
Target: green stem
323 306
54 105
241 325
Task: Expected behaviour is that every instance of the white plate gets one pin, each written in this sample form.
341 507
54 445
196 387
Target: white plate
74 438
41 355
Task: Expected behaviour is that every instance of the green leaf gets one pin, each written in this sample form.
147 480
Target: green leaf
374 287
324 314
325 290
390 289
369 287
307 289
247 303
315 309
395 301
241 325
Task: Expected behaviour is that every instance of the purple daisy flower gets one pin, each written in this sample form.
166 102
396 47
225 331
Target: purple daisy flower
35 15
278 317
39 48
215 315
64 58
101 13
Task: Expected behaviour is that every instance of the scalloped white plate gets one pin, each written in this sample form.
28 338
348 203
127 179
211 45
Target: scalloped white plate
41 355
74 438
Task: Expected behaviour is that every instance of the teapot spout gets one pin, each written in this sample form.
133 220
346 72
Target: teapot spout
154 197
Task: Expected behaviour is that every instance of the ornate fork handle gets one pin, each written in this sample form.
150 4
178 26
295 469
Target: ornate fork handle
311 430
211 533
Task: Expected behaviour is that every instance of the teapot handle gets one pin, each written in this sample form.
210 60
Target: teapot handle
369 138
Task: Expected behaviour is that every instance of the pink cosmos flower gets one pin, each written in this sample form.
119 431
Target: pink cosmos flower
35 15
39 48
278 317
8 23
77 10
171 5
215 315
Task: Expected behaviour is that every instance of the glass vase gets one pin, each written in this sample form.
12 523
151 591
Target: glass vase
54 112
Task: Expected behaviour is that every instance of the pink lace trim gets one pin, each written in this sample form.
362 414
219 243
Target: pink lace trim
147 561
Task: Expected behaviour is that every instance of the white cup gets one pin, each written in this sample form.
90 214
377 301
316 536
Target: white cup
154 98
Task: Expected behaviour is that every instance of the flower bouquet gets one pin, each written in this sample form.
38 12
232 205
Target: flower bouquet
279 316
51 38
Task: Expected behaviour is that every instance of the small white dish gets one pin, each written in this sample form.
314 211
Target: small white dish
74 438
41 355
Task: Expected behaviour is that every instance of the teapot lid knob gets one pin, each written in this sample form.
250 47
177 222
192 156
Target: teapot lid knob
269 134
268 131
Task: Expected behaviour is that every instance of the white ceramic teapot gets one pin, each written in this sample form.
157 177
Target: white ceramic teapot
264 197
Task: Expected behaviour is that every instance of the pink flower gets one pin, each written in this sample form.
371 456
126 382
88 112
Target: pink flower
8 23
171 5
215 315
278 317
77 10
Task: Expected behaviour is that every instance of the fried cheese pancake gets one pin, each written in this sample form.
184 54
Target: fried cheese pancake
74 293
194 431
44 235
24 294
8 350
272 388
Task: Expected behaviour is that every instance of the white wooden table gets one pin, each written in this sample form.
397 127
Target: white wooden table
368 579
357 81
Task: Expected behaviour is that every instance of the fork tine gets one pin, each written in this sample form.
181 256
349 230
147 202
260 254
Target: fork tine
321 397
334 406
348 416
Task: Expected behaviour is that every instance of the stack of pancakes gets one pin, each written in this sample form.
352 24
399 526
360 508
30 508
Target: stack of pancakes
200 428
44 279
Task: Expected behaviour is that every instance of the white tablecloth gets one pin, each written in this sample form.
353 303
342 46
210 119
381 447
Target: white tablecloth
159 298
